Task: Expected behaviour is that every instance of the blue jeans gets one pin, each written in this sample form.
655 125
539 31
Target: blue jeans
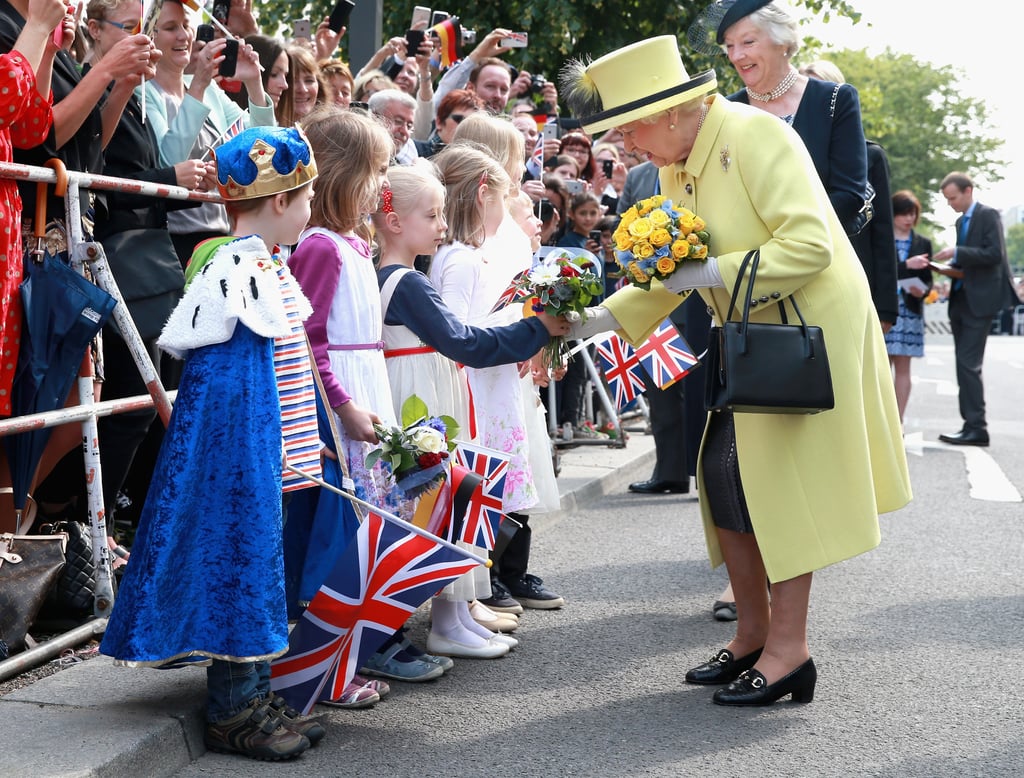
231 686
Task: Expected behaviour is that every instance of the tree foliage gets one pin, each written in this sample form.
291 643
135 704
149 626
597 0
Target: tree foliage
926 124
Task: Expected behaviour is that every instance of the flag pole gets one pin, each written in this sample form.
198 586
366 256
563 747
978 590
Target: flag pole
389 516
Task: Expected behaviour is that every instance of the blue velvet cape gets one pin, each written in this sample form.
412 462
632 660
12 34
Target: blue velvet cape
206 576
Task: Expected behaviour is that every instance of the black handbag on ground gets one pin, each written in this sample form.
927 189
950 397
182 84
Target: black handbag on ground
76 585
766 368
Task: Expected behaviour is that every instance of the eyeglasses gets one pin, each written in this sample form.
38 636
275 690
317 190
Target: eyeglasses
120 25
394 122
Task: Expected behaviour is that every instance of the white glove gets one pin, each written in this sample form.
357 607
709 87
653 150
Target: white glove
695 275
598 320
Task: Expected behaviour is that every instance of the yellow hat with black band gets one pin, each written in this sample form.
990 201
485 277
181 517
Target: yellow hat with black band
630 83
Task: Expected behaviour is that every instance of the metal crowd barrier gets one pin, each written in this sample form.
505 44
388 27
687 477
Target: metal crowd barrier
90 253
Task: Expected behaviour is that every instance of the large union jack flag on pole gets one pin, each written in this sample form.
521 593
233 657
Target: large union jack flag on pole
384 575
621 369
666 356
484 514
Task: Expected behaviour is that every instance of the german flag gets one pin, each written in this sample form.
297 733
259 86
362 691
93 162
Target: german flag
449 34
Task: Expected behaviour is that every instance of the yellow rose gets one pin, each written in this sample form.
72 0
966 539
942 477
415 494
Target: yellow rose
641 228
687 213
659 218
628 217
660 237
698 224
680 249
699 252
666 265
643 250
686 223
638 274
657 200
692 239
623 241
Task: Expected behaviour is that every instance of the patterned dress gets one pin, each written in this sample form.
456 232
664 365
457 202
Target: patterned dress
906 337
25 119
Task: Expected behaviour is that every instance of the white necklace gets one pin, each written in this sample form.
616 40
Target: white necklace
783 86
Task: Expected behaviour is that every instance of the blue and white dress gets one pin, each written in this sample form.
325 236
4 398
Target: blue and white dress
906 338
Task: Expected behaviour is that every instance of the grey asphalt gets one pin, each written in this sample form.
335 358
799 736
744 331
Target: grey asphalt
919 646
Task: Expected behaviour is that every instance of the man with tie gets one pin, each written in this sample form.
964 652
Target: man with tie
981 287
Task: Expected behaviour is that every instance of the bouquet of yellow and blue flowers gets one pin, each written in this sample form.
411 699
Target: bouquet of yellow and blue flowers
417 451
563 284
654 238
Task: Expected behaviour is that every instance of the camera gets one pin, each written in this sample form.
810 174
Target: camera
205 33
469 36
607 167
537 84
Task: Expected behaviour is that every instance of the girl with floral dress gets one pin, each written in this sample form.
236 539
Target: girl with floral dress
423 343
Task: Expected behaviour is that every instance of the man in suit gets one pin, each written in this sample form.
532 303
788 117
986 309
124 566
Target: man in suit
981 287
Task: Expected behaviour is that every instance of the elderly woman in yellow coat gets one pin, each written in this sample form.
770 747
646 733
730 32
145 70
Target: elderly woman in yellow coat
781 495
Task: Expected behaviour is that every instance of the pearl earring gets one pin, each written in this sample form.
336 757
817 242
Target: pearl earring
671 126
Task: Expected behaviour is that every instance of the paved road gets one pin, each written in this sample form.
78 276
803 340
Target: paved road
919 644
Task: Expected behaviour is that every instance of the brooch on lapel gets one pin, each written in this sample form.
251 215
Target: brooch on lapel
724 158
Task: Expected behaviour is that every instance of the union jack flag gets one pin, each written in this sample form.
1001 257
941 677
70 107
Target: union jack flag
621 369
666 356
513 292
384 575
484 513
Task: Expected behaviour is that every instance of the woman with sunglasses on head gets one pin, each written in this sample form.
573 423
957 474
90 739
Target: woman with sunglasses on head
451 111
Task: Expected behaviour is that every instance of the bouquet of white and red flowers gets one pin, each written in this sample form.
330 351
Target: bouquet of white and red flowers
418 451
563 284
654 237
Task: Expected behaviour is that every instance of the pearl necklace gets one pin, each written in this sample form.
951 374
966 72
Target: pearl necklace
783 86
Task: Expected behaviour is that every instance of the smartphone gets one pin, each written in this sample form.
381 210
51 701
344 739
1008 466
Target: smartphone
230 61
607 167
413 40
551 130
420 15
340 15
573 186
436 17
517 40
545 209
302 28
221 11
595 235
205 33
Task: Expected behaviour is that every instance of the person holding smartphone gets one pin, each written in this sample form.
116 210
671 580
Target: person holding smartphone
191 114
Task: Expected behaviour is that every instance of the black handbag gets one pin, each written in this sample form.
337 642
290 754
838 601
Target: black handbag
76 585
860 219
766 368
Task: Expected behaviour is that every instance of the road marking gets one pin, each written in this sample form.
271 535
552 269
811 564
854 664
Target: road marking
987 480
942 386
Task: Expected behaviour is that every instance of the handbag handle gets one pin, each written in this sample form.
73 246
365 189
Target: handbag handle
752 259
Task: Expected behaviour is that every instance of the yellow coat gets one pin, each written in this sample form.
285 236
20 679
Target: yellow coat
814 485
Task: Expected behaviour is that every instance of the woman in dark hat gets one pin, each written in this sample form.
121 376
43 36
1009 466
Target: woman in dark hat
753 183
761 37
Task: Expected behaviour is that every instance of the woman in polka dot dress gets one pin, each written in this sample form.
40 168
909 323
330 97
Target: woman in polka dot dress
25 118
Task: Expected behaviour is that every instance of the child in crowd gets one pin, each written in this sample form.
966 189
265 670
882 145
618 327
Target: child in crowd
207 574
333 265
423 343
477 189
584 216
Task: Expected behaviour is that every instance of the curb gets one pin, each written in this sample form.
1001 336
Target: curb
96 720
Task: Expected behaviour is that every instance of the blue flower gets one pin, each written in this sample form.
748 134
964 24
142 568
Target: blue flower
436 424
